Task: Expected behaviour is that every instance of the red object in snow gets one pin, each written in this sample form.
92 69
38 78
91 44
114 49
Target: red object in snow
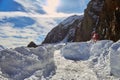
95 36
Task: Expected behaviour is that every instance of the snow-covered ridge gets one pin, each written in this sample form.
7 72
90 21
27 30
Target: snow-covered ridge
77 61
65 31
71 19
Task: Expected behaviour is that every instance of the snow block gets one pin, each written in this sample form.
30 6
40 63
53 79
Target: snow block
115 59
76 51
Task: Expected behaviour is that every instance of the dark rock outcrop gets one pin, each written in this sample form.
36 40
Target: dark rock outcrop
102 16
65 31
32 44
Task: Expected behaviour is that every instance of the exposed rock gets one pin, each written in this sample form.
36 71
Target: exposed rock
102 16
32 44
65 31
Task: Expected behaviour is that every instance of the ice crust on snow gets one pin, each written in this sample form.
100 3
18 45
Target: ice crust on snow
63 61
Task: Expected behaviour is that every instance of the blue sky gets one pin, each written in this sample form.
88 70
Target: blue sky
22 21
45 6
72 6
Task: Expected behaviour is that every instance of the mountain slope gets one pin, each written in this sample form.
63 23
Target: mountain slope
65 31
103 16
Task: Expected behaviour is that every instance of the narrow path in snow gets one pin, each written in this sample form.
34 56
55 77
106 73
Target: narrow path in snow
71 70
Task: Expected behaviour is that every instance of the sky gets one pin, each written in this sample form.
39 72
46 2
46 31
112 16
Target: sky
22 21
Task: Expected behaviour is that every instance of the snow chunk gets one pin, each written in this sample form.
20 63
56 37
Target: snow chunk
76 51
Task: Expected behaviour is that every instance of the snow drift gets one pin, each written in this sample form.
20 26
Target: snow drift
63 61
21 62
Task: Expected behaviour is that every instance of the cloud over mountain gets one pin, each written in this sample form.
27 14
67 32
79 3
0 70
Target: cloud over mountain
22 21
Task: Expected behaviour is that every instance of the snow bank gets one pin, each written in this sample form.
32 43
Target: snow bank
100 58
98 61
84 50
115 59
102 61
21 63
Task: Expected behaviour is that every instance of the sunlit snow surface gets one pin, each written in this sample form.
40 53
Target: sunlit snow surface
63 61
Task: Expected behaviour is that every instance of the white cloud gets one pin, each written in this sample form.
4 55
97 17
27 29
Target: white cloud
10 33
16 14
30 5
51 6
13 37
44 22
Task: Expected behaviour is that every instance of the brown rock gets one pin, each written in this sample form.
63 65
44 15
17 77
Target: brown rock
102 16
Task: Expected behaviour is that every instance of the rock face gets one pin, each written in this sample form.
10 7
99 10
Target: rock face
32 44
65 31
102 16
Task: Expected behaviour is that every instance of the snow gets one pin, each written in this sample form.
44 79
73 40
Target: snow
63 61
1 48
70 20
115 59
76 51
70 70
21 62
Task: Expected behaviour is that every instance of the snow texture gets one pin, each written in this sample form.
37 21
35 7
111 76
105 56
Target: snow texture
63 61
21 63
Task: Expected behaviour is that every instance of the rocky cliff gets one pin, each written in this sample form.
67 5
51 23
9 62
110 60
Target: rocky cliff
102 16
